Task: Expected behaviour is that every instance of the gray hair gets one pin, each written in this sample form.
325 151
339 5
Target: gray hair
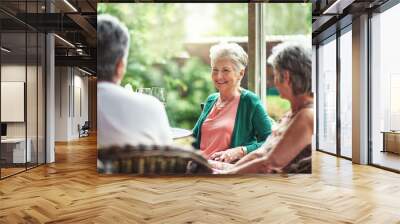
296 59
112 45
232 51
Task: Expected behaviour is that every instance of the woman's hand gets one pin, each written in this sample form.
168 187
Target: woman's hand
229 155
232 170
216 171
220 165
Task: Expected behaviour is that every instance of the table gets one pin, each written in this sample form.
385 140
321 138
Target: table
13 150
391 141
178 133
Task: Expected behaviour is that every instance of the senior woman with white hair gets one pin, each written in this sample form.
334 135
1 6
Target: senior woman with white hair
290 142
233 122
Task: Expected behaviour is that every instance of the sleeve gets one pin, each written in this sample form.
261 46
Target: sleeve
262 127
195 131
199 122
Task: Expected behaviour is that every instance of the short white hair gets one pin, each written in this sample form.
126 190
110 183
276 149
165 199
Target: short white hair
232 51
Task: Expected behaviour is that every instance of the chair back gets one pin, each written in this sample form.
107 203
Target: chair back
151 160
86 125
302 166
301 163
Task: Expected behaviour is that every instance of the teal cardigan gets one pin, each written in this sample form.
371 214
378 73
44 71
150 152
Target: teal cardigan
252 123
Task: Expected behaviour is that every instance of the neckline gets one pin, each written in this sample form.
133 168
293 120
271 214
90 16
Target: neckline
224 103
306 105
220 106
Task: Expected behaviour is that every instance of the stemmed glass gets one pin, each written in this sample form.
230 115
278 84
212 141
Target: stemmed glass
159 93
144 91
128 87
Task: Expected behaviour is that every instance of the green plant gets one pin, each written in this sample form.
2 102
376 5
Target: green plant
277 107
158 36
187 88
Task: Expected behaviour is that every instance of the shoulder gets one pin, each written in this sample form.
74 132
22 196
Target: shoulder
249 97
212 97
305 116
118 97
147 106
146 101
307 113
109 90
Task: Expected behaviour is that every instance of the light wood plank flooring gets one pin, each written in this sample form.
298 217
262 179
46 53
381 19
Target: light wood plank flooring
70 191
387 159
10 171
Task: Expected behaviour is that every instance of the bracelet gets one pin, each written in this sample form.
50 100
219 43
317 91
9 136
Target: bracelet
244 149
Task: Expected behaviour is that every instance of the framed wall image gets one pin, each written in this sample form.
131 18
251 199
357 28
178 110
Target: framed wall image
12 101
202 58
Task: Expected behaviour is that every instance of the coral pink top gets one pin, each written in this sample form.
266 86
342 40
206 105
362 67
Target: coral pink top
217 129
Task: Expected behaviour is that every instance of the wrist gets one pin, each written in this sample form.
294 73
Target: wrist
244 150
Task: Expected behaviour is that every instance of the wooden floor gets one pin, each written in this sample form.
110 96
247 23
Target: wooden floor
10 171
70 191
386 159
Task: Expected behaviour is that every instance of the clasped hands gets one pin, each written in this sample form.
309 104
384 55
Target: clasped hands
221 161
229 155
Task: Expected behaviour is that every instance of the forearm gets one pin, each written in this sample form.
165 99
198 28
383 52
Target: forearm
257 165
255 146
261 162
249 157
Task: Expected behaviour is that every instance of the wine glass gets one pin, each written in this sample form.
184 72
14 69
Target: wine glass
144 91
128 87
159 93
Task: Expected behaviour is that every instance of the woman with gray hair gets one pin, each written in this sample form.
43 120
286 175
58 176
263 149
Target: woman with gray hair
233 122
290 141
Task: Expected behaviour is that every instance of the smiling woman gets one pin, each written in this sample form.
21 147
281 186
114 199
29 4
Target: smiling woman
171 44
233 121
288 149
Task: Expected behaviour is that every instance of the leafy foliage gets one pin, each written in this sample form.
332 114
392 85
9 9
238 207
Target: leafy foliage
188 87
232 20
157 33
279 19
288 18
157 39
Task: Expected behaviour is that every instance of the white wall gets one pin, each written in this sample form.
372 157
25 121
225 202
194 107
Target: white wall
80 102
33 127
62 80
12 73
71 94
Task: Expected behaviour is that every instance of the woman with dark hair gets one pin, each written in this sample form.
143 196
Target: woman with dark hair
290 141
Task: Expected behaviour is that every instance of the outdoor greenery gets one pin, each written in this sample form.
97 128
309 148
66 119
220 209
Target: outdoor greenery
157 43
232 20
276 106
157 34
288 18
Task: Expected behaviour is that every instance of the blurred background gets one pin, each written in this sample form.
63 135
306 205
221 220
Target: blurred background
170 47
